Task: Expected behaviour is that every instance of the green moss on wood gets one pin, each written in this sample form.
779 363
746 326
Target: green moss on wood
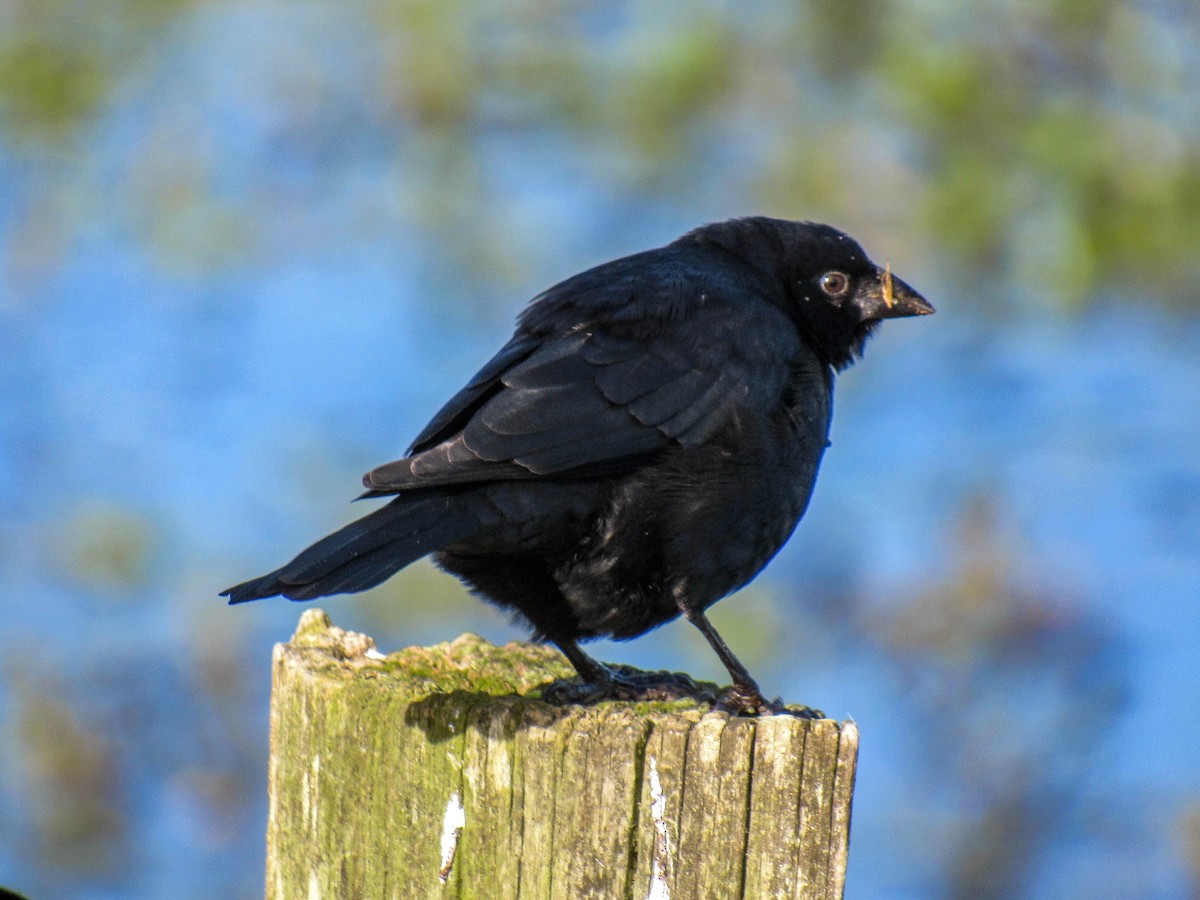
374 756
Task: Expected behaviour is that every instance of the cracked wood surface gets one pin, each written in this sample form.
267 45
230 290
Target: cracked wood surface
434 772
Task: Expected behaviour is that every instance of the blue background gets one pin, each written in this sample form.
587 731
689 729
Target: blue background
246 249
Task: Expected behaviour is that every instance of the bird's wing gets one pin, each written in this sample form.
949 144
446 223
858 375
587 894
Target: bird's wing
451 418
595 400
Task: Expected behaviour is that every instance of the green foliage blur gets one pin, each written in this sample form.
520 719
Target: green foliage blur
1048 150
1039 154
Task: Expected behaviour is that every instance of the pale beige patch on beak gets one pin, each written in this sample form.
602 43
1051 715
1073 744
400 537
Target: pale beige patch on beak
888 296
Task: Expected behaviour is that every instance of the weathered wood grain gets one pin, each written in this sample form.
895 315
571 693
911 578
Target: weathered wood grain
435 772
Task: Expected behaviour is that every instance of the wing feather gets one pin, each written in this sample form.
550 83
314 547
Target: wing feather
451 417
597 399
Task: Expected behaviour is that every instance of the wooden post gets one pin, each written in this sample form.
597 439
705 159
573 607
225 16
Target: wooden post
432 773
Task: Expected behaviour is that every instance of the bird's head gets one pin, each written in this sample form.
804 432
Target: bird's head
834 292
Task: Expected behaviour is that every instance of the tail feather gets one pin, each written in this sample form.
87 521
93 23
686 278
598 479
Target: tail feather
369 550
367 571
404 517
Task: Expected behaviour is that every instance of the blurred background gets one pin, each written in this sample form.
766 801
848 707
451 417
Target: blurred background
247 247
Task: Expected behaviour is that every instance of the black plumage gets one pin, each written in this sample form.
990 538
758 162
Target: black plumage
639 449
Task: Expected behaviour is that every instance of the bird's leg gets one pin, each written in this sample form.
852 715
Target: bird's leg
602 683
743 697
744 692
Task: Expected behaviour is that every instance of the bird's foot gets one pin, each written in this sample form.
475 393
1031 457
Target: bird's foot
568 691
630 684
747 700
627 683
633 684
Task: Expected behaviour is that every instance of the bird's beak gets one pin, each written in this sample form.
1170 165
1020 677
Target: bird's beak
887 297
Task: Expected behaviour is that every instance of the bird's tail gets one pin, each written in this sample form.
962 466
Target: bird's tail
369 550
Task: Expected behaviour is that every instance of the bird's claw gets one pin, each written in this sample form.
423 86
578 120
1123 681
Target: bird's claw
628 684
740 700
624 683
568 691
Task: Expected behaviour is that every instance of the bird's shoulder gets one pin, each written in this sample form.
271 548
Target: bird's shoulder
642 295
663 313
659 349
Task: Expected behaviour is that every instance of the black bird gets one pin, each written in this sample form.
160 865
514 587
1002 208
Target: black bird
640 448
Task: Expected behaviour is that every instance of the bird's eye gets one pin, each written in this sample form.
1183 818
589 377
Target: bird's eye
835 284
